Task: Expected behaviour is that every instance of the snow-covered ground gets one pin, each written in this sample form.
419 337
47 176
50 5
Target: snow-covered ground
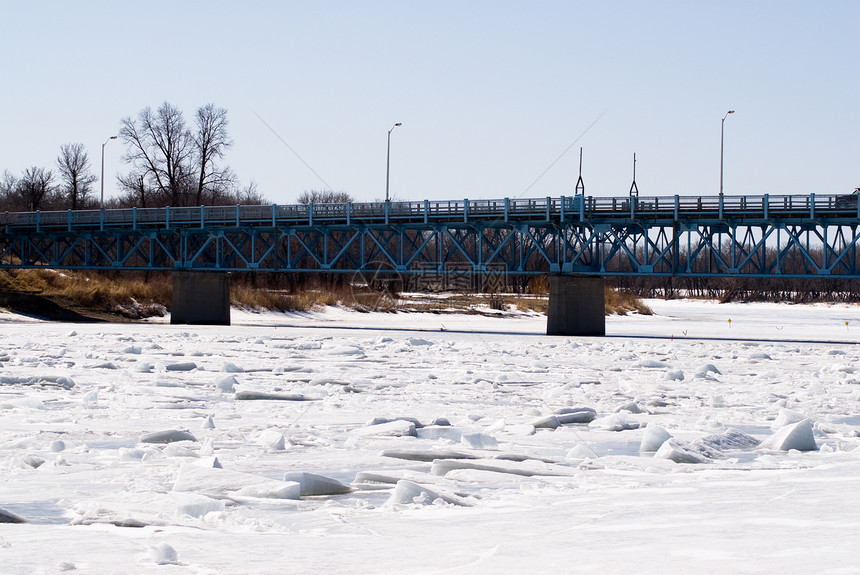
435 444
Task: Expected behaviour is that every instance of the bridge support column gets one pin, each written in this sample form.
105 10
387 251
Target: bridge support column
200 298
576 306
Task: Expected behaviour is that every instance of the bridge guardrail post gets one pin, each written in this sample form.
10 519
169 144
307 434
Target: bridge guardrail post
765 205
811 206
720 204
466 210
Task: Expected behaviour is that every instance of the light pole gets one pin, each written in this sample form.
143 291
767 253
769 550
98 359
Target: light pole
102 204
388 158
722 127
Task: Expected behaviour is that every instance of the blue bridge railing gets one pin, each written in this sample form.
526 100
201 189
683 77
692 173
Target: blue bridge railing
575 208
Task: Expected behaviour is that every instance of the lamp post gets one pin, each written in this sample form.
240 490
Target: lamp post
722 127
388 158
102 204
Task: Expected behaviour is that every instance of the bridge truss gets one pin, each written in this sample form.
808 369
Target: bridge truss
679 236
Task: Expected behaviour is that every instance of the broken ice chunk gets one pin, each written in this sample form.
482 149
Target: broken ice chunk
653 437
679 453
167 436
9 517
396 428
272 440
227 384
313 484
164 554
249 395
228 367
785 417
182 366
408 492
479 441
570 415
794 436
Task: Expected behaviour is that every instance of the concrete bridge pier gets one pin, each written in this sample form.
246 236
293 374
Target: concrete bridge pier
576 306
200 298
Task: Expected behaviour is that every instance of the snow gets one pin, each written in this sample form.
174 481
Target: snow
345 442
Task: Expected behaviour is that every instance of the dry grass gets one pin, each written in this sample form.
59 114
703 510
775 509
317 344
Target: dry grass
260 299
539 304
622 303
248 297
616 302
137 295
133 296
27 281
539 285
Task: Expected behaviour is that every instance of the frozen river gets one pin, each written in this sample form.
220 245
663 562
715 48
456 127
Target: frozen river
707 438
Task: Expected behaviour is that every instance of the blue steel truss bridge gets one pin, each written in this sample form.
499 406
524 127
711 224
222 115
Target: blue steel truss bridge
677 236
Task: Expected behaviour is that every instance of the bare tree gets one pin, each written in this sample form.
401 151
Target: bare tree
250 196
136 194
324 197
34 189
174 165
161 149
8 187
210 142
76 179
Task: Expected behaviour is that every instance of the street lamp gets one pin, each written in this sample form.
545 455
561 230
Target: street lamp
722 126
102 204
388 159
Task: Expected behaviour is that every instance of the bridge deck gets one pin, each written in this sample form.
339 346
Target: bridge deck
753 236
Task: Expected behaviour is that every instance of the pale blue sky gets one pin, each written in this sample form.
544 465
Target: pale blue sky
490 92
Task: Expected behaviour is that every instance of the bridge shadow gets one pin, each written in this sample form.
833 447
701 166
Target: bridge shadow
665 338
357 328
541 335
42 308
